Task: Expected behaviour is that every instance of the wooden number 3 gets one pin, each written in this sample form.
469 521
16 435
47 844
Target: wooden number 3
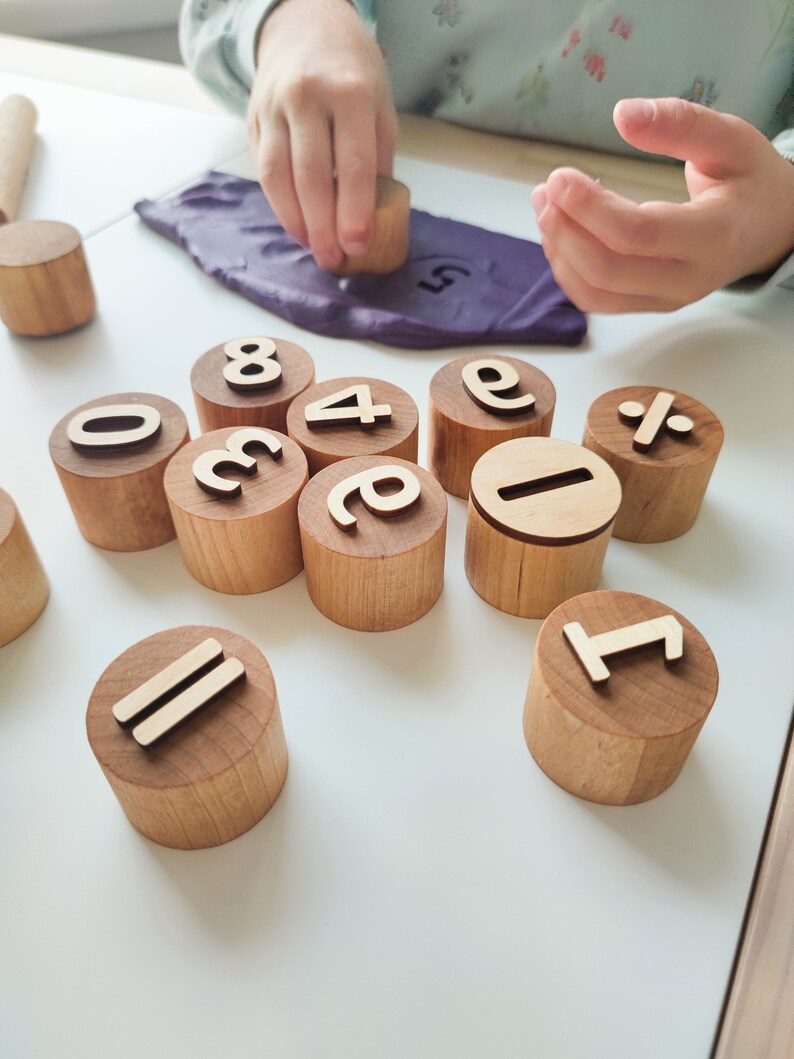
364 484
251 364
487 381
234 457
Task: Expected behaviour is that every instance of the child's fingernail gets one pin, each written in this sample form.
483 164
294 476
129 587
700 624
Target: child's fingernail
357 247
538 198
637 114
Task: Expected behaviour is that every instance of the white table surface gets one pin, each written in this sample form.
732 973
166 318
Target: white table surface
420 888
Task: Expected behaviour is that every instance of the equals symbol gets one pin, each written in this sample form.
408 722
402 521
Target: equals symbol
177 692
652 420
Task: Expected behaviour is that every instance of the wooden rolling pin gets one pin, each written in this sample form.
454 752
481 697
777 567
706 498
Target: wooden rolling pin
17 135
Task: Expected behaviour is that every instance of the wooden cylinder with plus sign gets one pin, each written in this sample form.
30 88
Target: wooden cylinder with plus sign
24 587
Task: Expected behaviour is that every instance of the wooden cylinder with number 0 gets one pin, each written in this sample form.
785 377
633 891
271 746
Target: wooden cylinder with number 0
24 588
373 531
477 402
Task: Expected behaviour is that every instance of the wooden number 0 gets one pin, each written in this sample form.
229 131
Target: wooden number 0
364 484
487 391
234 457
337 410
113 426
251 364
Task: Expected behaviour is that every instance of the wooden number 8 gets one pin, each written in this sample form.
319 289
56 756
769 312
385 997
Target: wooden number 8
234 457
251 365
486 391
364 484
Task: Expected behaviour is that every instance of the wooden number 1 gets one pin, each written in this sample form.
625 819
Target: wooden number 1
364 484
113 426
234 457
348 407
487 380
591 650
251 364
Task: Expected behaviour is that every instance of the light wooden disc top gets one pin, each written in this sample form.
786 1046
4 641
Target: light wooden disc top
214 776
26 243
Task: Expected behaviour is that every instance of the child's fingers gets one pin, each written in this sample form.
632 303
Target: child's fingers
275 176
355 157
312 170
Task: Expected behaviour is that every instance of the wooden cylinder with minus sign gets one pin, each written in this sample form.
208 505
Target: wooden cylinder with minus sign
539 521
250 382
390 242
354 416
373 531
24 588
477 402
217 774
111 455
247 540
620 736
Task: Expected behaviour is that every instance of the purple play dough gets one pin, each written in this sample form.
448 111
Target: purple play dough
460 285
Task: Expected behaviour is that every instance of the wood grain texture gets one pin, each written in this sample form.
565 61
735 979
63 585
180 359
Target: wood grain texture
529 547
219 405
17 136
215 776
243 544
384 573
24 587
117 497
663 487
399 437
624 741
45 287
459 430
389 248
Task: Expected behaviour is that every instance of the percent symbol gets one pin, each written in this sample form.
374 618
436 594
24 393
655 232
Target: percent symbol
652 420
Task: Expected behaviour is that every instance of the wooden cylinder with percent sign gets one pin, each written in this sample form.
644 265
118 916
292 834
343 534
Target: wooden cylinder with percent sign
233 495
111 455
539 521
663 446
373 532
24 588
477 402
250 382
620 688
186 727
354 416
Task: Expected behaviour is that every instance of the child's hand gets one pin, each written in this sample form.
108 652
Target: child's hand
320 106
610 255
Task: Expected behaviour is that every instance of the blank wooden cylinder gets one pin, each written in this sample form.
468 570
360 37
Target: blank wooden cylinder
246 543
17 137
212 778
396 436
221 404
45 288
462 427
663 485
117 494
625 740
389 248
539 520
385 571
24 588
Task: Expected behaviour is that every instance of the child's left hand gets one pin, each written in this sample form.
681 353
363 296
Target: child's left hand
611 255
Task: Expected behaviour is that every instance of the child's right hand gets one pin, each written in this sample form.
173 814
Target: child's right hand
321 107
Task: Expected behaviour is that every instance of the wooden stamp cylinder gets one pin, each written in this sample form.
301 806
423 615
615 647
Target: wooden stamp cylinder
389 248
17 136
477 402
385 568
45 288
354 416
623 738
539 520
112 472
24 588
247 541
250 382
663 454
219 772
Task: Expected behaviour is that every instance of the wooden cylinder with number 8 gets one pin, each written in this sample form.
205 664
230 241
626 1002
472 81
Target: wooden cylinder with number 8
234 499
480 401
373 531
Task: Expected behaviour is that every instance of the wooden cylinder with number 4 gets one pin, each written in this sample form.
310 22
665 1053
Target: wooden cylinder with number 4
477 402
233 495
24 588
373 532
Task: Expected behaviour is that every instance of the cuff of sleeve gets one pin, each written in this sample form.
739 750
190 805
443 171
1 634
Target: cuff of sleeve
244 35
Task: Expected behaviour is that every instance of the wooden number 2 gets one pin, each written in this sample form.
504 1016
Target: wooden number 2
113 426
591 650
351 406
487 380
251 364
364 484
234 457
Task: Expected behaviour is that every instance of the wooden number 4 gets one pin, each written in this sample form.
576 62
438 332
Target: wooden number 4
352 406
234 457
364 484
487 381
252 364
591 650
